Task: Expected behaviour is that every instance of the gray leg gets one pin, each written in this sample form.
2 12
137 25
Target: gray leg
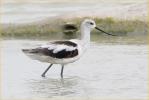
62 71
43 74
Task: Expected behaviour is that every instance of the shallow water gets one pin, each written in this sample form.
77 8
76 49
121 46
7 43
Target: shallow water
105 71
29 11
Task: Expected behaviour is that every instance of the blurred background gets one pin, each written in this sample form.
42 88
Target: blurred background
50 19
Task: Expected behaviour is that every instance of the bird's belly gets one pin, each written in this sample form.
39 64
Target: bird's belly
52 60
64 60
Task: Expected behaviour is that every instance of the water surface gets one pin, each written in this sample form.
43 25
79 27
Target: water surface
32 11
105 71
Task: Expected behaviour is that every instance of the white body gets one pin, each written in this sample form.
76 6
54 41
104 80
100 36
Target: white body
82 45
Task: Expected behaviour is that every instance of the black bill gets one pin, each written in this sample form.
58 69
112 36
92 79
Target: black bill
104 31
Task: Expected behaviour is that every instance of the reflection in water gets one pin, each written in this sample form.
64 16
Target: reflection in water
54 87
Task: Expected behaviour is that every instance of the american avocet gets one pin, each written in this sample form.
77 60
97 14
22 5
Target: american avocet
64 52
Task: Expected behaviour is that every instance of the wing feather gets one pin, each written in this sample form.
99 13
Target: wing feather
56 50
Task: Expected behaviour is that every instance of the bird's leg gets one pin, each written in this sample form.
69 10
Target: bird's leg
62 71
43 74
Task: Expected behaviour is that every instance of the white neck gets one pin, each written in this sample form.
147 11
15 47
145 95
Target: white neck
85 36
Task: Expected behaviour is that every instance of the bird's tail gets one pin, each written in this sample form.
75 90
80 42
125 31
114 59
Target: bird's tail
31 53
26 50
36 50
34 54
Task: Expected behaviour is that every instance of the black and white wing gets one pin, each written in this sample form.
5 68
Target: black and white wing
57 49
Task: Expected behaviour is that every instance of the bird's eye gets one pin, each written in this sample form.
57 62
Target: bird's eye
91 23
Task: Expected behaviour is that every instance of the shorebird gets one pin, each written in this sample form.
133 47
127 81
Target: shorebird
66 51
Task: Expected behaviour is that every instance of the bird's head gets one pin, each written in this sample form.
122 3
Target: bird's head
89 23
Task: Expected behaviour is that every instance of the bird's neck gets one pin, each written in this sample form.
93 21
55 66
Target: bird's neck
85 36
